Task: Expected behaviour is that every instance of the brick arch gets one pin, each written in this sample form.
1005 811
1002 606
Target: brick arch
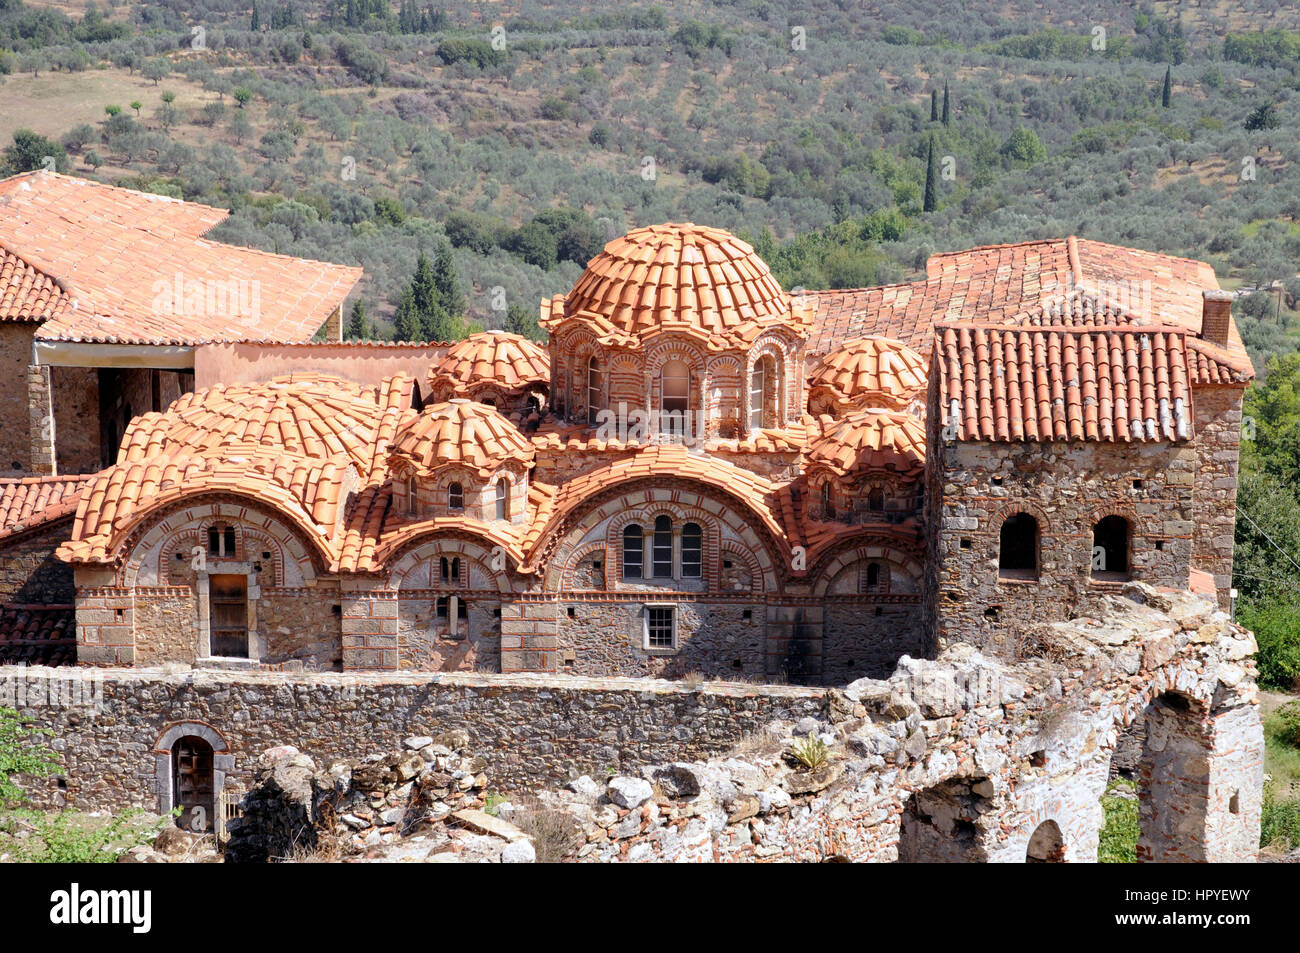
1114 508
612 505
1010 509
298 564
430 548
574 560
886 551
751 564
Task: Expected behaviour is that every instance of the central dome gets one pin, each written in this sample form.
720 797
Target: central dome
678 277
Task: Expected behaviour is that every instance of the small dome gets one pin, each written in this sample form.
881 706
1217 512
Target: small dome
869 440
460 432
872 371
677 277
507 360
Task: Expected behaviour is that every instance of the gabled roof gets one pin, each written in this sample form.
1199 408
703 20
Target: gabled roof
1043 384
34 501
135 270
1047 282
677 277
26 292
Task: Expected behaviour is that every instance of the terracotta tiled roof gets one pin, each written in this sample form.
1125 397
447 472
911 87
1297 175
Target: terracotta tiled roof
302 445
556 435
38 635
310 415
869 440
1008 384
27 293
1209 364
880 371
118 254
1066 281
507 360
33 501
677 277
460 432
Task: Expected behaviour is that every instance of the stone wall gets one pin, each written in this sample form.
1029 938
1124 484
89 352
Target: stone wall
1067 488
15 435
531 730
1214 511
75 396
29 571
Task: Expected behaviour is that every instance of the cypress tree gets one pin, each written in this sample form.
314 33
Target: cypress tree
945 102
931 181
406 323
257 19
934 105
424 291
1167 92
358 328
447 284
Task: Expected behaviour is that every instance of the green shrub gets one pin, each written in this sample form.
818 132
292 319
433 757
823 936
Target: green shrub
71 837
21 752
1288 723
1119 835
1279 823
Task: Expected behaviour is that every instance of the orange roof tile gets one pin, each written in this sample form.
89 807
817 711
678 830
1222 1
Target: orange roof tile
507 360
119 256
678 277
32 501
873 370
27 293
1007 384
1067 281
38 635
869 440
460 432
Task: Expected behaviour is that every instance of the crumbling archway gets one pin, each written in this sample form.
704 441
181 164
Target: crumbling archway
942 824
1046 845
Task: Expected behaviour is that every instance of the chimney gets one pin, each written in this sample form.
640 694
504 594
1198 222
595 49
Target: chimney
1216 316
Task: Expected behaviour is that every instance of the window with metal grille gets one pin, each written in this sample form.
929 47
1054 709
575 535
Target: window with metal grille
692 551
659 627
633 551
661 549
456 496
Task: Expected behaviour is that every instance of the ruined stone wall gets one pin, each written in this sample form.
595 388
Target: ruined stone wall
1067 488
865 638
531 730
29 572
1214 511
15 436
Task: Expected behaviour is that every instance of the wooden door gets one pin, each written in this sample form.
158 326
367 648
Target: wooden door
192 783
228 600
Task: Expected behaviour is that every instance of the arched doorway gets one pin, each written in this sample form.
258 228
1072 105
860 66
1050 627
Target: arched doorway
1046 845
194 783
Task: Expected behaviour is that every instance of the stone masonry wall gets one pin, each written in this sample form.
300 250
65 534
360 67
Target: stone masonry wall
29 572
1067 488
1218 443
531 730
15 357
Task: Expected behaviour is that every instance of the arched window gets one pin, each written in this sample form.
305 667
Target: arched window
450 569
633 551
876 499
1018 552
692 551
757 395
661 549
593 390
1110 548
455 496
828 501
675 385
221 540
873 578
503 498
